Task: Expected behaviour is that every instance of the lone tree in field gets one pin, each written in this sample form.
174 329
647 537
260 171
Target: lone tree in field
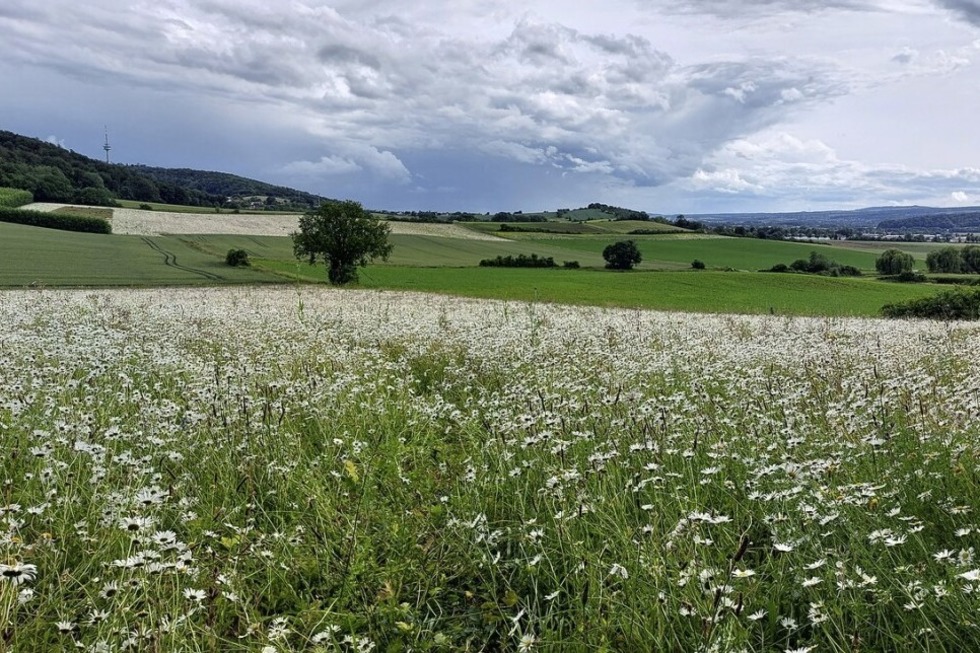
344 236
894 261
622 255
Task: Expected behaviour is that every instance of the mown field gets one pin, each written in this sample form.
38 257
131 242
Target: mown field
305 469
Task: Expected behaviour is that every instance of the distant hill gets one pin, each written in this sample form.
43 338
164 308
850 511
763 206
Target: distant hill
55 174
888 218
935 222
240 189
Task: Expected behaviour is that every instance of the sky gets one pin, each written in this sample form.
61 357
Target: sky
667 106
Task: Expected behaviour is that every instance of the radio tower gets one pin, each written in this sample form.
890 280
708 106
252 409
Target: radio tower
106 147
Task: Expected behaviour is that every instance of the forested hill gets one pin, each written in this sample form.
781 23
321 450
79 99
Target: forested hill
55 174
228 185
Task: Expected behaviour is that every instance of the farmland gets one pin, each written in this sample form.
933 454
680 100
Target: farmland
306 469
166 248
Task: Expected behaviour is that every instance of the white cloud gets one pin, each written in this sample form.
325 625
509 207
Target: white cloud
356 158
959 197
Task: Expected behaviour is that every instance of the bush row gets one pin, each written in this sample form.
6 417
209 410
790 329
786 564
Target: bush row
14 197
959 304
523 261
63 221
817 264
519 261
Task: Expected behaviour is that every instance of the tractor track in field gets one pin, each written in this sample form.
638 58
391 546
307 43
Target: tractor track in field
170 260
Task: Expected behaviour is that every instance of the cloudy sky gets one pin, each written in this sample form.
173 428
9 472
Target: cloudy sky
486 105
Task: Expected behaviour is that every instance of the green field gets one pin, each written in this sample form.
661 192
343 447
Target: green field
48 257
34 256
710 292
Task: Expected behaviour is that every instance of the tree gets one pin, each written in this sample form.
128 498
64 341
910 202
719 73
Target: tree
622 255
344 236
894 261
971 258
947 259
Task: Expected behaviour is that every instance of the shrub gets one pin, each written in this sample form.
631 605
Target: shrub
146 207
571 265
62 221
910 276
237 257
958 304
779 267
697 264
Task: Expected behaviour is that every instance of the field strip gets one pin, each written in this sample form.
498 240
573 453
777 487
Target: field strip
154 223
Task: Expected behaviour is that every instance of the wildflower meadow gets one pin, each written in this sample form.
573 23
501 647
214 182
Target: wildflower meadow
284 470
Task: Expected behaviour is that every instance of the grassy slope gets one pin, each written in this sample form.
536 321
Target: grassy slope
62 258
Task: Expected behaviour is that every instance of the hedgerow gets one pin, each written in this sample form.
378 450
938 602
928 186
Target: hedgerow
62 221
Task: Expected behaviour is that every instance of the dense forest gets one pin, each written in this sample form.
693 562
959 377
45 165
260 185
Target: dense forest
55 174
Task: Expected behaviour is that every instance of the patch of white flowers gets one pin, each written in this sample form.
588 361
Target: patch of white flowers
177 462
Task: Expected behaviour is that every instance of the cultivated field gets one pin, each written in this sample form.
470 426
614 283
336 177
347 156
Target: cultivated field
444 258
313 470
129 221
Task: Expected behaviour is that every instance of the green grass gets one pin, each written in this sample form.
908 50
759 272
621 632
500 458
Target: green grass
626 226
711 292
34 256
86 211
672 251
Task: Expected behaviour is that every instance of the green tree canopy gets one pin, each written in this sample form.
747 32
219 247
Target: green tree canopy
344 236
971 258
622 255
894 261
947 259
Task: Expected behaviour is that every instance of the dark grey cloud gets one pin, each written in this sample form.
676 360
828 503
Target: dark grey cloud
969 10
343 54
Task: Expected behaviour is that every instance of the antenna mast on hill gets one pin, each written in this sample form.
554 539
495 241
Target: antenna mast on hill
106 147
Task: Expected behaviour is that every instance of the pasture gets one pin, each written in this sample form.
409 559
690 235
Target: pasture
307 469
